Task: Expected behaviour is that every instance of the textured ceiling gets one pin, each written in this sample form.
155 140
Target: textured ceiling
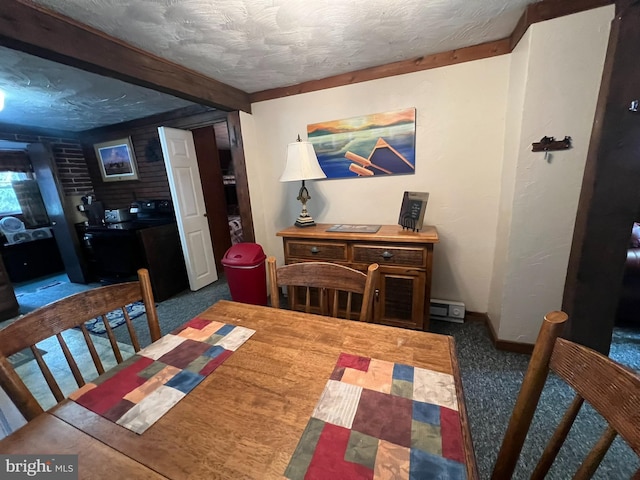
256 45
47 94
252 45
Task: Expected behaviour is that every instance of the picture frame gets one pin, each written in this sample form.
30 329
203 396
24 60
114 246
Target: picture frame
414 204
116 160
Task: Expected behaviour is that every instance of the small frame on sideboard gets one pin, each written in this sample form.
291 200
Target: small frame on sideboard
412 210
116 160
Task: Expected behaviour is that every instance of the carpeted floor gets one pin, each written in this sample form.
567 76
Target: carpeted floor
491 381
35 294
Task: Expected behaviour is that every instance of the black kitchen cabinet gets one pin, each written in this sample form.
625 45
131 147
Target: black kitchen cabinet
28 260
115 252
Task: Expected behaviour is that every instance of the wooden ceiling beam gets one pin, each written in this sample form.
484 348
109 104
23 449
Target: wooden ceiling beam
549 9
536 12
50 35
476 52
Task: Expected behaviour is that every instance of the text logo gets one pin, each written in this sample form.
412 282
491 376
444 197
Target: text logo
51 467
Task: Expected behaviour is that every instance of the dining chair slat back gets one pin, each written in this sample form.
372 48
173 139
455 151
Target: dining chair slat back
610 388
71 312
330 289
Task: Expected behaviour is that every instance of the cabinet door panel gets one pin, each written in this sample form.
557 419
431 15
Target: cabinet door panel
401 300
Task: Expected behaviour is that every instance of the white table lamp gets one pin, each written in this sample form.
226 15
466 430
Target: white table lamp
302 164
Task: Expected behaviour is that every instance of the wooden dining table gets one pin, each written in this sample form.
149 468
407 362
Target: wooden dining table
246 418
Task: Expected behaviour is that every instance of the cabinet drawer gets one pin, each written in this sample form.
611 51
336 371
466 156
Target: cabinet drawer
390 255
317 250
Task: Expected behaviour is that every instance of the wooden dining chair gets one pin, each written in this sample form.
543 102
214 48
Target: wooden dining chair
57 317
332 286
611 389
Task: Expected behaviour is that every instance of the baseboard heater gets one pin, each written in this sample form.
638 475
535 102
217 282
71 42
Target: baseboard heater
446 310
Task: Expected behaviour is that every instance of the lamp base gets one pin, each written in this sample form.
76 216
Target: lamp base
305 221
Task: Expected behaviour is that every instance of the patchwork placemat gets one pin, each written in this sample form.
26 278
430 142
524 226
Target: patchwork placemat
140 390
382 420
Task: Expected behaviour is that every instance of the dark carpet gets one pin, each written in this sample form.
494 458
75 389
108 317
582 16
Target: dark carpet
491 381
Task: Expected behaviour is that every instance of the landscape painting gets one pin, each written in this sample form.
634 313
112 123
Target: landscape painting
371 145
116 160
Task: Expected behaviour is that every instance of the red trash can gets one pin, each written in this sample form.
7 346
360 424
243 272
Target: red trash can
246 275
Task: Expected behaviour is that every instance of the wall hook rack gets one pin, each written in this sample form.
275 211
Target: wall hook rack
549 144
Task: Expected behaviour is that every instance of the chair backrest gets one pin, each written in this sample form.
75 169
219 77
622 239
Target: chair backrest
332 285
611 389
57 317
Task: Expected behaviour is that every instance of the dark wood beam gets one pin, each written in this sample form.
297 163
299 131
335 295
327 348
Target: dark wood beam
610 198
242 180
190 112
485 50
548 9
37 31
30 134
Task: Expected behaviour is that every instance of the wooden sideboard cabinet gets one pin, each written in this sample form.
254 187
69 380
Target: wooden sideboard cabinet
405 260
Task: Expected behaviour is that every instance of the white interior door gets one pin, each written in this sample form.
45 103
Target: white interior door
186 190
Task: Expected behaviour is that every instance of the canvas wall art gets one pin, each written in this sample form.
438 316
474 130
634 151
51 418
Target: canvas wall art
370 145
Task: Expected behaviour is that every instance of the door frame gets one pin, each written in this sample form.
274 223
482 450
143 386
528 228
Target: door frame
610 196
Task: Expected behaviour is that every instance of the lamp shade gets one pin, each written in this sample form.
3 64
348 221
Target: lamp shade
302 163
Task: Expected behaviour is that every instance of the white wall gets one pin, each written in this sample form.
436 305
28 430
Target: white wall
515 218
561 75
459 137
513 131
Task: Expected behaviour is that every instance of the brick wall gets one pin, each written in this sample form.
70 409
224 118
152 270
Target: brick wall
69 158
152 180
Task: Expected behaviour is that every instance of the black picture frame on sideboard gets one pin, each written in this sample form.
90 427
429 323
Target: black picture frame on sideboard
414 204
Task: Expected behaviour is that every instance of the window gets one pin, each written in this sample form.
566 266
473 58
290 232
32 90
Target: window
9 204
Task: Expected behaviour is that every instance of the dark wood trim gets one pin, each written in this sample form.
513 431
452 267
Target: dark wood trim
514 347
215 202
610 198
622 5
41 32
157 119
470 458
37 132
505 345
242 181
476 317
476 52
547 10
520 29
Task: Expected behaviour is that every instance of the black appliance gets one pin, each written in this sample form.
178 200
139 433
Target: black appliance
115 251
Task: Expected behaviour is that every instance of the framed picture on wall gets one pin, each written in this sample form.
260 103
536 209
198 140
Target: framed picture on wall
116 160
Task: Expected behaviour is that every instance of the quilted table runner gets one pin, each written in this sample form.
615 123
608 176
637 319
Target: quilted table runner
382 420
140 390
